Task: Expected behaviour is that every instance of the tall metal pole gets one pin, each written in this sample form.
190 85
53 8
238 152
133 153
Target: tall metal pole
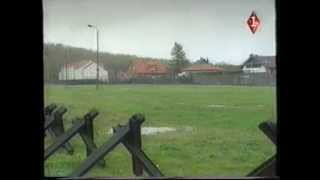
92 26
97 58
66 67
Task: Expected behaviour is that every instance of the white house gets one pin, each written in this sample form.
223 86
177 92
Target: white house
259 64
259 69
83 70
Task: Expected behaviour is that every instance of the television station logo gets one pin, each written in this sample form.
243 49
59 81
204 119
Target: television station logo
253 22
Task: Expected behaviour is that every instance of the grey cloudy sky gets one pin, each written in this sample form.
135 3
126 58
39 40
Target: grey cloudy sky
215 29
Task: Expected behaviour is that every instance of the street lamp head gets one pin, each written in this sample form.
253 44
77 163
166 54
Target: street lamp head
89 25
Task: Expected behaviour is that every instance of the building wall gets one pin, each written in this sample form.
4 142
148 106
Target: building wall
67 73
84 73
90 72
260 69
259 79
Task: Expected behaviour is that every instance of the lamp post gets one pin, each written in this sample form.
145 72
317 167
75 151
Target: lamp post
97 30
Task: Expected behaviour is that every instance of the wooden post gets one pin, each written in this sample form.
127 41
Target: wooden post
134 139
57 127
48 110
87 135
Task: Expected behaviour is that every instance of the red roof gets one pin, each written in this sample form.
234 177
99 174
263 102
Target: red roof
203 68
148 67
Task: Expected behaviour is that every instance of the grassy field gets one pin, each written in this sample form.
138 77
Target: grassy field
224 141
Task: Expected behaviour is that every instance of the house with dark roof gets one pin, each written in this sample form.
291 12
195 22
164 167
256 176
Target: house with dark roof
83 70
259 64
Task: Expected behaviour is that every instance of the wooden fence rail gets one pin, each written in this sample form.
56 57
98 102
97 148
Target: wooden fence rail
130 136
82 126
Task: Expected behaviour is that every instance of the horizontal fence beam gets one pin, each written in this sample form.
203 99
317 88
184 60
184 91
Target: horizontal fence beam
266 169
168 177
150 168
270 130
63 139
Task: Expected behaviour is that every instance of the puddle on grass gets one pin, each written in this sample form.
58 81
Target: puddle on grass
233 107
188 128
216 105
156 130
181 103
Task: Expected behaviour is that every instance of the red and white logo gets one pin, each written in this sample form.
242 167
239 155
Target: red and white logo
253 22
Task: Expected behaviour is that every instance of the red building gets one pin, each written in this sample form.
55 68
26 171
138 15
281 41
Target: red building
145 68
203 68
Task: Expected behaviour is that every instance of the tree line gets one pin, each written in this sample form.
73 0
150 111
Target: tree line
57 55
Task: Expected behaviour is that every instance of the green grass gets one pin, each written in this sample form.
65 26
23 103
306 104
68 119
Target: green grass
225 141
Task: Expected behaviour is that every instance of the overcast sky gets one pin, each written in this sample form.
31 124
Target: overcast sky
215 29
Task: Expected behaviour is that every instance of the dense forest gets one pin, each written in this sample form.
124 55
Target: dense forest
56 55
